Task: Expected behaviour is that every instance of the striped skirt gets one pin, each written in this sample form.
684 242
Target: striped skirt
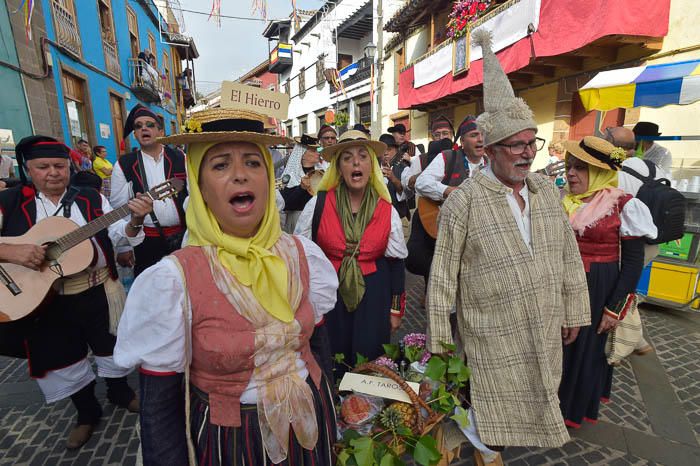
239 446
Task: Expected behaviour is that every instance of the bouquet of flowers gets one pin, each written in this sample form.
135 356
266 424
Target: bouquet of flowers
378 431
465 12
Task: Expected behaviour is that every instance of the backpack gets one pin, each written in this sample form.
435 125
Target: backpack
667 206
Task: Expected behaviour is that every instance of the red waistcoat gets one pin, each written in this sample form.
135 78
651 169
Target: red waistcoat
223 342
331 236
600 243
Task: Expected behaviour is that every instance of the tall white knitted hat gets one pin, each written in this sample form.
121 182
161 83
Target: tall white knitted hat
504 114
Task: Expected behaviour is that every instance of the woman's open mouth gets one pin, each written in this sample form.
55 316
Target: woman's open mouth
356 175
242 202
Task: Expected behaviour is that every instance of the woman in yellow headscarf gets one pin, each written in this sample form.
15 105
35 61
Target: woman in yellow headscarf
234 311
354 223
609 226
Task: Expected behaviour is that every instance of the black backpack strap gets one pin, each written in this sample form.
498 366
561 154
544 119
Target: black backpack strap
450 167
637 175
318 211
652 169
68 200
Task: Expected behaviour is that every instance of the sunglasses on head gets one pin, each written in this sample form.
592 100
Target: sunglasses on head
148 124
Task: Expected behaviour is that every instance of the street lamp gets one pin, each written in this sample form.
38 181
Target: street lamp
370 51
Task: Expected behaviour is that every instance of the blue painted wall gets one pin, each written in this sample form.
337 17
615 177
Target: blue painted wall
98 85
14 113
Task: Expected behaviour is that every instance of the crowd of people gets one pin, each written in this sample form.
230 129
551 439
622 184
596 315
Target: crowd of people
248 284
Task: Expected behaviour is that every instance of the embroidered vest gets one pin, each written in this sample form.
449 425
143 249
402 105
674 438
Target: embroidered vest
331 237
459 172
223 342
18 207
600 243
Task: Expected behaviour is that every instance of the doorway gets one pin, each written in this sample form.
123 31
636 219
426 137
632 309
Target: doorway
116 107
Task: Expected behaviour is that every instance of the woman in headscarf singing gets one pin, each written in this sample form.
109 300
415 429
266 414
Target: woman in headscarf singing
610 227
354 223
233 311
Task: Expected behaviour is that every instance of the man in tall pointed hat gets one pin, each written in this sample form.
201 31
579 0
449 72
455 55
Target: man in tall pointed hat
140 170
507 258
84 312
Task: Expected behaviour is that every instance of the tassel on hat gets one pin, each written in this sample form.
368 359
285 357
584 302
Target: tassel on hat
504 114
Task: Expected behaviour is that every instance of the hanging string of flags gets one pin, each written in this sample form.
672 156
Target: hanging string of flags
260 6
216 12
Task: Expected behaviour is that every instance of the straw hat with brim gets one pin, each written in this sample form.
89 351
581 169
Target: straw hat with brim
350 139
225 125
595 151
306 141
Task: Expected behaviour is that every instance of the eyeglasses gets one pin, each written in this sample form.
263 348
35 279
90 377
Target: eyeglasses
518 148
148 124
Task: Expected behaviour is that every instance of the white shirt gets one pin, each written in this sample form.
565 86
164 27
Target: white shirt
522 217
122 191
395 248
630 183
635 219
116 231
152 328
413 169
429 183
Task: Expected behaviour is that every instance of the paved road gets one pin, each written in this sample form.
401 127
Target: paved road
653 418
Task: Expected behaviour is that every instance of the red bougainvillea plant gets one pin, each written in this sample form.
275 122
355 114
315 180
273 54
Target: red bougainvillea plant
464 13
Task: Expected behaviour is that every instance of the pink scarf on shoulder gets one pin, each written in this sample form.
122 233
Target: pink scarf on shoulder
602 205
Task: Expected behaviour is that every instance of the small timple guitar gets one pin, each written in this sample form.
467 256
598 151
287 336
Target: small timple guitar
68 252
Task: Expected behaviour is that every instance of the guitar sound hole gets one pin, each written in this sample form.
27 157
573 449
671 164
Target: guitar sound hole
53 251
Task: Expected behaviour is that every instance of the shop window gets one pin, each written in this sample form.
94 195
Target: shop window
76 107
365 112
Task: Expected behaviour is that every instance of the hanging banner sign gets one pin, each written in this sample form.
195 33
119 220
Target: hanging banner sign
242 97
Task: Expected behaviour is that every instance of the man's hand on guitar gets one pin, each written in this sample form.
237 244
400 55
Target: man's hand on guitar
26 255
140 206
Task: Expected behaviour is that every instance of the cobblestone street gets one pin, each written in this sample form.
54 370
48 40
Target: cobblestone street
653 418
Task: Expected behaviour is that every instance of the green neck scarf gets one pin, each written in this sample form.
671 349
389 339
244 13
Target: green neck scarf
352 283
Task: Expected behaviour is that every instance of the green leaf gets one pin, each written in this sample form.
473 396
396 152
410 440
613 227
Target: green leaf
404 431
392 351
461 417
339 357
448 347
413 353
387 460
343 457
364 451
360 359
349 435
436 368
426 452
458 369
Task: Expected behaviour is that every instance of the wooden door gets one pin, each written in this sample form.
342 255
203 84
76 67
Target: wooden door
116 106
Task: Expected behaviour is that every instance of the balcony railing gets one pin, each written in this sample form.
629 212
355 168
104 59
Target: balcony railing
112 59
146 82
66 27
364 71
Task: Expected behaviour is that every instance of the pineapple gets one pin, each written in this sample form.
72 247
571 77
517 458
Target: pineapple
391 418
407 412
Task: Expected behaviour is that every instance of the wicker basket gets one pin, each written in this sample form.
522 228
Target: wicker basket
423 424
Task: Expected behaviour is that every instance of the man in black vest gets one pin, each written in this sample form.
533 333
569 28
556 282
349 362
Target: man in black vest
55 338
138 171
393 165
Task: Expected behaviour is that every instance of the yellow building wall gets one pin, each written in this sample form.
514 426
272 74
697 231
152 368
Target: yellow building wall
461 111
679 120
543 101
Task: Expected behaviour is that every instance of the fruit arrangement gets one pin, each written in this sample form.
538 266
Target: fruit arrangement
377 431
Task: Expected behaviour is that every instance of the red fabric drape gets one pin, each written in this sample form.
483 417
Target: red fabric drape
565 25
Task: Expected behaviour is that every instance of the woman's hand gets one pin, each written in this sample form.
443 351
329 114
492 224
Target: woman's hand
395 322
607 323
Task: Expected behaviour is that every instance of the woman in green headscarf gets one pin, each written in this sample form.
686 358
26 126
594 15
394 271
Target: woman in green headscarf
234 311
354 223
609 226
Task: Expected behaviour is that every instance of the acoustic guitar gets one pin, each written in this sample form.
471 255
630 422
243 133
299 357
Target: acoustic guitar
68 252
428 211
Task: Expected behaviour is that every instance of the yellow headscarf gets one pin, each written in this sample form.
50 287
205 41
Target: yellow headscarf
249 260
376 178
598 179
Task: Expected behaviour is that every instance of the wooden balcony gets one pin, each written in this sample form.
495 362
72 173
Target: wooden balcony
146 82
111 59
66 26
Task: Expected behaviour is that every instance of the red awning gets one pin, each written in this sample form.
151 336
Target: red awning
565 26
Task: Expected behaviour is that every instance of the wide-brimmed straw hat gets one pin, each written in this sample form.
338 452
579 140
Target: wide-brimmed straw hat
306 140
225 125
597 152
349 139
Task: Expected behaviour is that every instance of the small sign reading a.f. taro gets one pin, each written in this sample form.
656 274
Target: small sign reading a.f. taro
377 386
262 101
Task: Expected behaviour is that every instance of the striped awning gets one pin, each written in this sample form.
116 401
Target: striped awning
643 86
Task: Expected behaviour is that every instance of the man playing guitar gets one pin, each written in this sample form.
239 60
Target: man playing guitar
55 338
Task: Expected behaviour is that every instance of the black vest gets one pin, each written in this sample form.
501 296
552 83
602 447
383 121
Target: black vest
401 206
18 206
174 167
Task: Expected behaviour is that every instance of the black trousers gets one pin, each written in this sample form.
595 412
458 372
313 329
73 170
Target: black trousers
149 253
